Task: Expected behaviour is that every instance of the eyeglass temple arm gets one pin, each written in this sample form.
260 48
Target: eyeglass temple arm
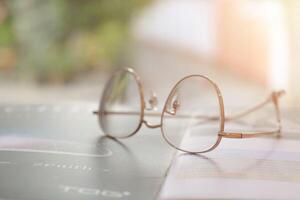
248 135
273 98
127 113
157 114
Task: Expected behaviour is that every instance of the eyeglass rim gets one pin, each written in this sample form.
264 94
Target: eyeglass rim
221 108
275 95
137 79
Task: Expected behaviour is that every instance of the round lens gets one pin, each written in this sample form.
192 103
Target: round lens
120 106
192 115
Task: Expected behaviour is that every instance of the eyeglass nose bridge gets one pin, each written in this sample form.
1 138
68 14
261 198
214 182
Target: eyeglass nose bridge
151 125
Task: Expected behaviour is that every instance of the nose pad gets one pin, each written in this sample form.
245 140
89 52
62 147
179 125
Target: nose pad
174 105
153 102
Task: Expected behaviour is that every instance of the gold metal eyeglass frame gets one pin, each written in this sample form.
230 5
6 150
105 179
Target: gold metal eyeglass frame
273 98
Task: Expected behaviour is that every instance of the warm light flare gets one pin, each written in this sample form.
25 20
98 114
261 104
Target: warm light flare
278 48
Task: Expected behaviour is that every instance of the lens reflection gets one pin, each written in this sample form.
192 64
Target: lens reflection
120 108
191 117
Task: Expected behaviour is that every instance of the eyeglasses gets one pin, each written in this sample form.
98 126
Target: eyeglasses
194 109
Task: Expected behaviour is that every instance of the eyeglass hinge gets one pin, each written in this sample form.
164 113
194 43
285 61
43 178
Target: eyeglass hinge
231 135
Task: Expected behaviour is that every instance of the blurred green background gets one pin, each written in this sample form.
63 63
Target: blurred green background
57 40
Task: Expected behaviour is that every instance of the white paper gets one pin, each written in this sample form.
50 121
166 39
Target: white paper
258 168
